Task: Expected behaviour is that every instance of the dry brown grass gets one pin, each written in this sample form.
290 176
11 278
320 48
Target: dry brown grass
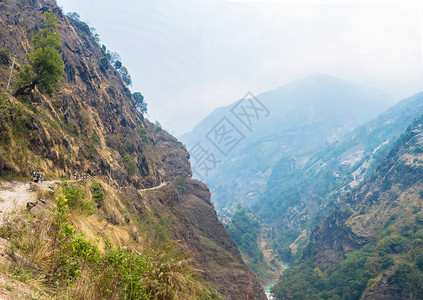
167 270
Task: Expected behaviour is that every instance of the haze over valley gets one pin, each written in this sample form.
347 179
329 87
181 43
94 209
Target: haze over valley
211 149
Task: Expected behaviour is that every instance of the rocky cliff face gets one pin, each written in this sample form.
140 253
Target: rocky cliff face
195 222
391 189
331 240
90 126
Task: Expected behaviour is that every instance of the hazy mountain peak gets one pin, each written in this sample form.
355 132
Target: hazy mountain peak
303 115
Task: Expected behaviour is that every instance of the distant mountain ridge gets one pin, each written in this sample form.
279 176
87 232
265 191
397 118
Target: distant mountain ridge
298 193
304 115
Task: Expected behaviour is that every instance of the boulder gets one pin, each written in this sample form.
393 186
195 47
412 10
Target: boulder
41 206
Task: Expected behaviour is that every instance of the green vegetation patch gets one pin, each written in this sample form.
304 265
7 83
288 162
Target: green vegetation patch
349 278
98 193
46 68
76 199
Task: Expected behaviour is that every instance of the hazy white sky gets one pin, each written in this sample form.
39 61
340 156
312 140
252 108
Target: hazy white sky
189 56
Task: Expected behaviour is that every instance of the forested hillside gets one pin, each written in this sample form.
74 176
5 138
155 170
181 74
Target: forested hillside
369 247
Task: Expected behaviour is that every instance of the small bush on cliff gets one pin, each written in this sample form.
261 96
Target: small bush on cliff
98 193
4 119
181 184
158 126
74 16
46 66
76 199
4 54
130 166
104 63
139 103
144 135
78 23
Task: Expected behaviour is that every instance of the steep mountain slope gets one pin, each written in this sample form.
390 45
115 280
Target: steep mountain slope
291 120
297 193
90 129
370 246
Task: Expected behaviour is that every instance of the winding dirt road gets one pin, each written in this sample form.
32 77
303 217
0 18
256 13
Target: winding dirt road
154 188
14 195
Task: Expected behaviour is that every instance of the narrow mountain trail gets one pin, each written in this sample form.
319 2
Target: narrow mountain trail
15 195
154 188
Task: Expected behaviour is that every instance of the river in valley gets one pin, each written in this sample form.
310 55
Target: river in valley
267 288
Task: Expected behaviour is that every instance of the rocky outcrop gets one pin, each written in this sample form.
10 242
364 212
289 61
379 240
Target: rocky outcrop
331 240
195 223
220 250
41 206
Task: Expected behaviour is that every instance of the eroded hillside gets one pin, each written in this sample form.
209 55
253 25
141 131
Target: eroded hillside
299 194
370 246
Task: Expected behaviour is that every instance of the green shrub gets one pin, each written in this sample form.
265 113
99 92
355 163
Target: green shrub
55 125
71 129
118 64
74 16
158 126
144 135
181 184
104 63
95 139
5 119
76 199
347 212
130 166
4 54
126 77
390 244
72 248
91 153
98 193
126 272
139 102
